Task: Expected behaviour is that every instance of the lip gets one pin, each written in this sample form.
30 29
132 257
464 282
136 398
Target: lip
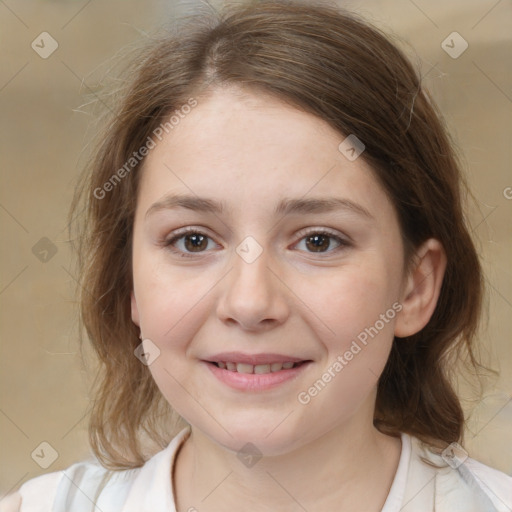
254 359
252 382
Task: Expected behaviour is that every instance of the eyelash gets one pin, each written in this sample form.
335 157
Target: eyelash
168 243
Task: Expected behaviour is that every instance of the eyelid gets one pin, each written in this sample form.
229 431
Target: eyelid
318 229
176 235
343 240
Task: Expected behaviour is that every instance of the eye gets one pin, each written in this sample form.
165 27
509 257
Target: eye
320 241
190 241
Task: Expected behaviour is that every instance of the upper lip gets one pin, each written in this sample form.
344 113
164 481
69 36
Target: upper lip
254 359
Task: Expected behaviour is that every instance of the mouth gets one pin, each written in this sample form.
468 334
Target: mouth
257 372
259 369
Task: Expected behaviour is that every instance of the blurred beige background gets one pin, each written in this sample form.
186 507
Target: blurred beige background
44 388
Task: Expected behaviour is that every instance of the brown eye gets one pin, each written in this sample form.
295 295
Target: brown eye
318 243
195 243
192 241
322 242
188 242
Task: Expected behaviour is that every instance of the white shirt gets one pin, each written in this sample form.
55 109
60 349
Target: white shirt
417 487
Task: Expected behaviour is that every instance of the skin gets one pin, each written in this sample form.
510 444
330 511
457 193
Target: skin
250 151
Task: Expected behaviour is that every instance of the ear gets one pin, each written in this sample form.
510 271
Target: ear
421 288
135 309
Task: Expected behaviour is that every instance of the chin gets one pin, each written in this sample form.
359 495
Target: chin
259 437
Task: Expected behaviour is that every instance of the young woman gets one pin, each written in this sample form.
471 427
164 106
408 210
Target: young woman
275 253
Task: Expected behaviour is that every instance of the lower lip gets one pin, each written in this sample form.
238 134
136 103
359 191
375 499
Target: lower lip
254 381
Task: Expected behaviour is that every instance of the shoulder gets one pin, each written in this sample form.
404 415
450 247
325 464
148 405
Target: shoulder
73 488
87 485
452 480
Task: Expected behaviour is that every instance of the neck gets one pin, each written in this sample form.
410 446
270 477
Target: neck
334 472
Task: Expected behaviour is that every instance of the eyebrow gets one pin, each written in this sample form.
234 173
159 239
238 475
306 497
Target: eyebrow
285 206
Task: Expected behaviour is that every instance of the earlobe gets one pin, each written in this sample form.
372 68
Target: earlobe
422 288
135 309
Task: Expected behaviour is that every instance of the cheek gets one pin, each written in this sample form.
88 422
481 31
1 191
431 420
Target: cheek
173 305
348 301
170 301
359 314
353 309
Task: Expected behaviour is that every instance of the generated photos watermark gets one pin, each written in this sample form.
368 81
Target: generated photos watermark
357 345
143 151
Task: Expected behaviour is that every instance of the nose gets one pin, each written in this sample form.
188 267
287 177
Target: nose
253 295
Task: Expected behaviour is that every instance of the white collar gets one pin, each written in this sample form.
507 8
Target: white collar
152 489
423 482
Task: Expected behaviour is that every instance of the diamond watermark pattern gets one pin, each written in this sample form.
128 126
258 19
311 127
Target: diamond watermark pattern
351 147
249 249
454 455
454 45
44 45
44 250
249 455
45 455
147 352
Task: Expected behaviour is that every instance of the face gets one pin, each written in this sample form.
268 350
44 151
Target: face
284 253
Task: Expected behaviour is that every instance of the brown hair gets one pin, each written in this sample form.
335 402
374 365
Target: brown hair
334 65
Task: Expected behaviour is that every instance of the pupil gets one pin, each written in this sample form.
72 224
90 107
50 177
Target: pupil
317 242
197 242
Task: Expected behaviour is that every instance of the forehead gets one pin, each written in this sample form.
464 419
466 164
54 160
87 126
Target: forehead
251 150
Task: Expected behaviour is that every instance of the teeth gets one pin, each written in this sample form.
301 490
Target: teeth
258 368
262 368
244 368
